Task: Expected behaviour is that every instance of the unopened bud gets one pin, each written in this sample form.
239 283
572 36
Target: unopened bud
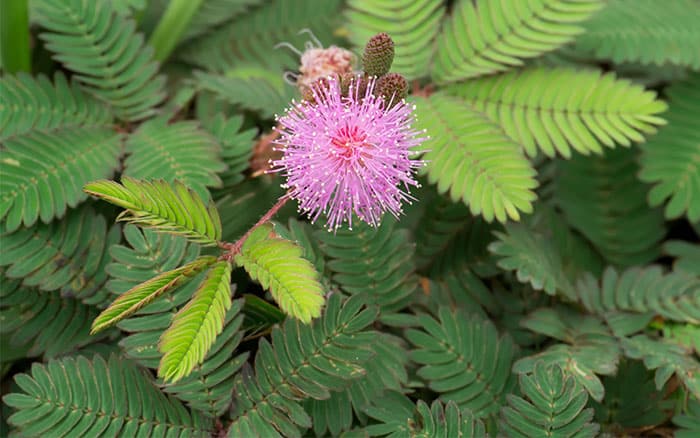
392 87
378 55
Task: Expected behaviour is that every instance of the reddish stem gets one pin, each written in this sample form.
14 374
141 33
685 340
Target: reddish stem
234 248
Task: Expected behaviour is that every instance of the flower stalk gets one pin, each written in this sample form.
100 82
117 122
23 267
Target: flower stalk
234 248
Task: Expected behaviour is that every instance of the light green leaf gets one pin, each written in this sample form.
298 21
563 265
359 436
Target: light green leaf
472 158
485 36
171 208
196 326
144 293
555 110
279 266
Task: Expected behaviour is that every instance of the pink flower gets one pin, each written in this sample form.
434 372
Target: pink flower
345 155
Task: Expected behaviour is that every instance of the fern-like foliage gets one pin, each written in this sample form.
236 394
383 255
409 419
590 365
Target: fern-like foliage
686 254
689 421
650 292
174 151
449 236
213 13
590 349
556 110
398 418
171 208
236 144
279 267
35 104
252 88
462 289
46 323
143 294
385 372
67 256
208 388
241 210
375 262
631 400
105 52
147 255
534 258
667 359
473 159
195 327
41 173
303 361
553 405
251 39
669 159
413 25
544 252
483 37
464 359
81 397
644 31
600 197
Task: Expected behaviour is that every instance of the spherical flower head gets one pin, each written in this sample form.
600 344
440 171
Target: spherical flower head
346 155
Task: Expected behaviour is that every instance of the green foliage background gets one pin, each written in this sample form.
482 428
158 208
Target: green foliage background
546 283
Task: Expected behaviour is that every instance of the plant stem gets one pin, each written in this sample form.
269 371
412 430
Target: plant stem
172 26
234 248
14 36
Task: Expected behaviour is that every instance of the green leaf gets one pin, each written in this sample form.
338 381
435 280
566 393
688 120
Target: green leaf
688 421
533 257
553 405
673 296
669 160
464 359
144 293
602 198
81 397
302 361
374 262
398 418
33 104
473 159
483 37
686 254
666 358
278 265
413 25
385 372
251 38
41 173
170 208
213 13
645 32
631 400
590 349
556 110
237 145
209 387
252 88
195 327
448 235
67 256
44 323
174 151
106 53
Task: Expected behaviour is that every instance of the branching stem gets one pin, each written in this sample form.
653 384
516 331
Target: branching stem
234 248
